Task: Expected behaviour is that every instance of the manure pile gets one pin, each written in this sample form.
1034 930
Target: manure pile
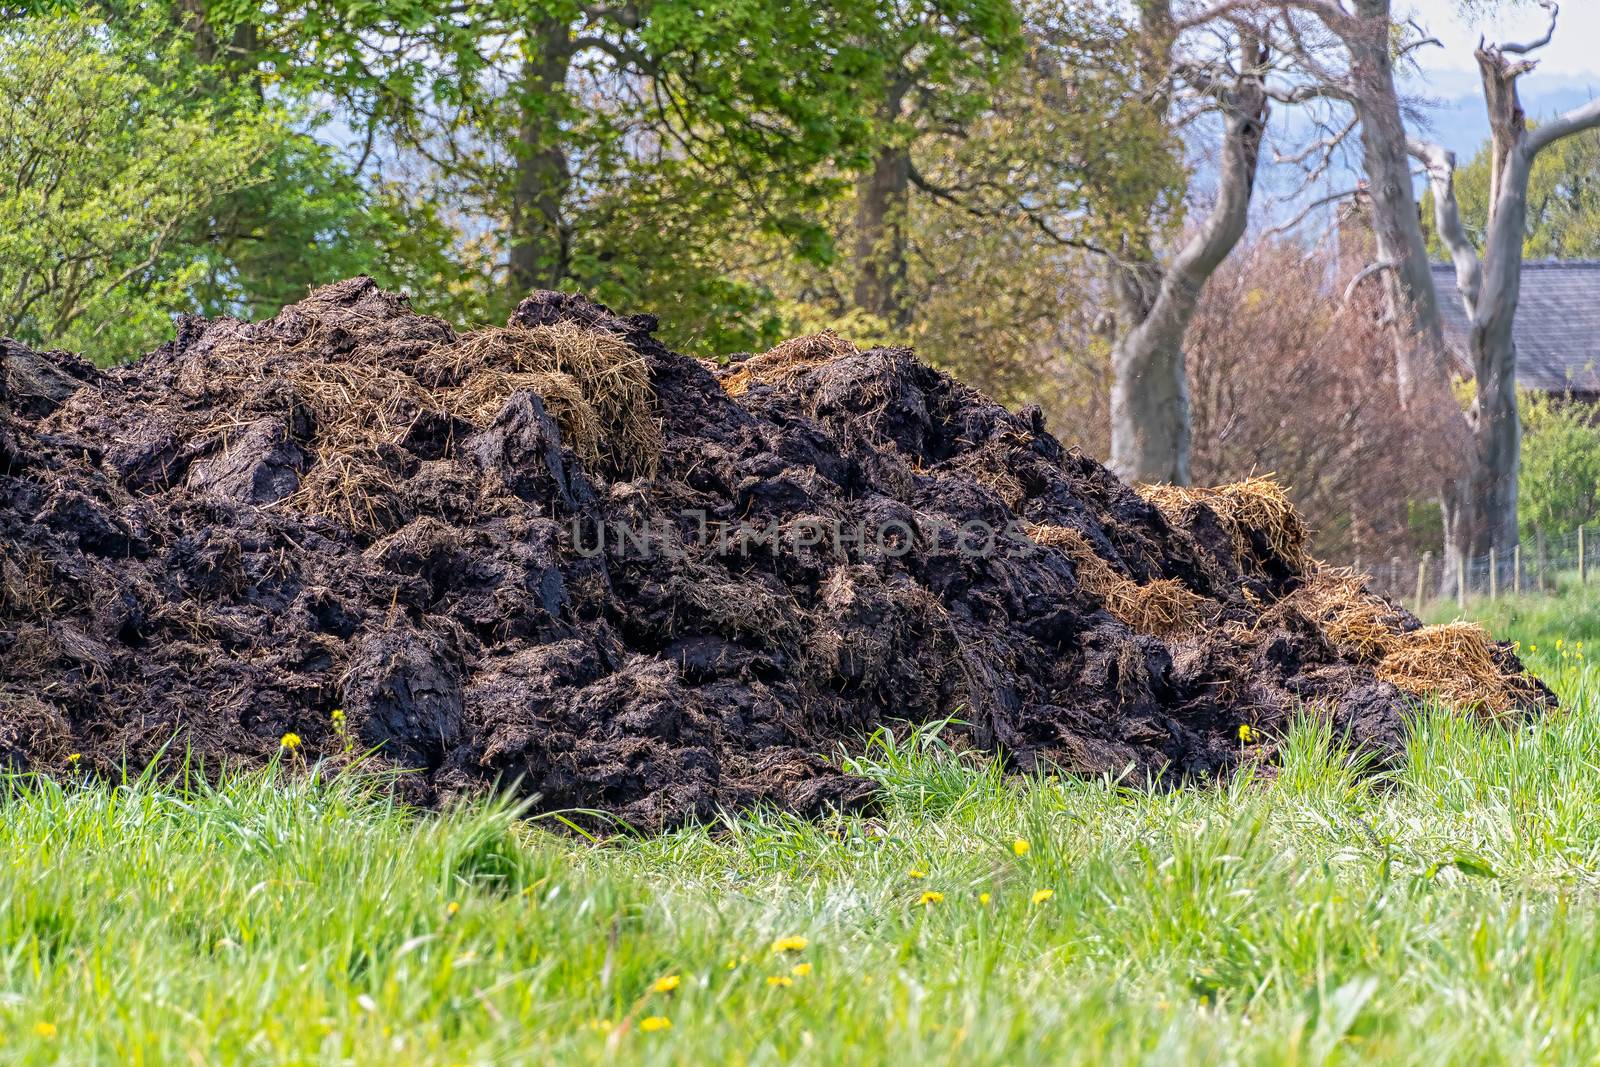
559 554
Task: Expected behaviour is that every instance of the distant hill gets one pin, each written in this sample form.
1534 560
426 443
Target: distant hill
1453 103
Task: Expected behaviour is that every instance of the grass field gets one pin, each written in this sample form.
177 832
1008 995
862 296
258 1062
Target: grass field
1445 913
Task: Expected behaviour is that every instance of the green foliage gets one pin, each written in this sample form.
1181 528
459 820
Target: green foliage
1063 155
1558 488
1563 201
309 220
145 181
617 148
102 167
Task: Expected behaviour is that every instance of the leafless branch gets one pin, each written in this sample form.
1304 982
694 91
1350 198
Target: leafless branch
1533 46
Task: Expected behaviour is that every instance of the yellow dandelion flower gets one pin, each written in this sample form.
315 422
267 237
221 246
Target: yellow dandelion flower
652 1023
1020 847
790 944
800 970
916 872
1041 895
1558 642
779 980
666 983
289 742
1246 734
452 909
932 896
984 898
44 1029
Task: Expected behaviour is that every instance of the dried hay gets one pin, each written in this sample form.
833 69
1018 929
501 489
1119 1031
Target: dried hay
354 488
360 412
1256 506
358 405
16 592
1362 626
1163 608
600 392
982 468
484 393
595 387
794 356
1455 663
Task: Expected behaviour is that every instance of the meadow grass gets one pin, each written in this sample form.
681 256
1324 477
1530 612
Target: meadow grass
1441 913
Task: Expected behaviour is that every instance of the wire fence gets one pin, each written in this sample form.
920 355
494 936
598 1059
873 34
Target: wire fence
1536 565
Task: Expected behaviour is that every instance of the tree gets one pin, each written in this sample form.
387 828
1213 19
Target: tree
1479 499
941 64
1484 514
1005 218
1288 375
1150 417
566 125
1559 484
1563 201
103 169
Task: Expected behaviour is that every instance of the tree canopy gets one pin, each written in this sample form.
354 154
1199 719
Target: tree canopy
1563 201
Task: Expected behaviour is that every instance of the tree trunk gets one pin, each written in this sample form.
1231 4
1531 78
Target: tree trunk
1496 422
882 200
1422 366
1150 419
540 237
881 203
1484 513
237 56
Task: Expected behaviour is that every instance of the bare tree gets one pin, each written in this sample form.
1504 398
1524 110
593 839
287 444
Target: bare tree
1291 373
1484 514
1150 417
1478 491
1346 55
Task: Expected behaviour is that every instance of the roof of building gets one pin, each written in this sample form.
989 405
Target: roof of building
1557 329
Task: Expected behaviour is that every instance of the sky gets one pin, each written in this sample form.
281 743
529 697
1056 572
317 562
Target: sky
1568 74
1573 55
1448 90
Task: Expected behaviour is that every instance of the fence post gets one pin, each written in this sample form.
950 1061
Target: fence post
1494 574
1539 540
1516 568
1583 568
1461 579
1422 582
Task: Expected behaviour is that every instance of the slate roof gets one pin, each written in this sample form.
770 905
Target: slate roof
1557 328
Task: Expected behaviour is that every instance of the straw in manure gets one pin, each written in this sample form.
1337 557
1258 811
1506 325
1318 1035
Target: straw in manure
794 356
596 387
1256 506
1164 607
1455 664
1361 626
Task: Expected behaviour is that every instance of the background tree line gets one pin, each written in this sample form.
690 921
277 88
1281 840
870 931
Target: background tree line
1062 203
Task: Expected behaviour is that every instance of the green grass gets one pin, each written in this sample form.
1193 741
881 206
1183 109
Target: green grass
1570 616
1442 914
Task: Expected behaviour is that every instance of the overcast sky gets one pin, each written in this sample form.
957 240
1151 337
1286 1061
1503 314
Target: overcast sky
1575 52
